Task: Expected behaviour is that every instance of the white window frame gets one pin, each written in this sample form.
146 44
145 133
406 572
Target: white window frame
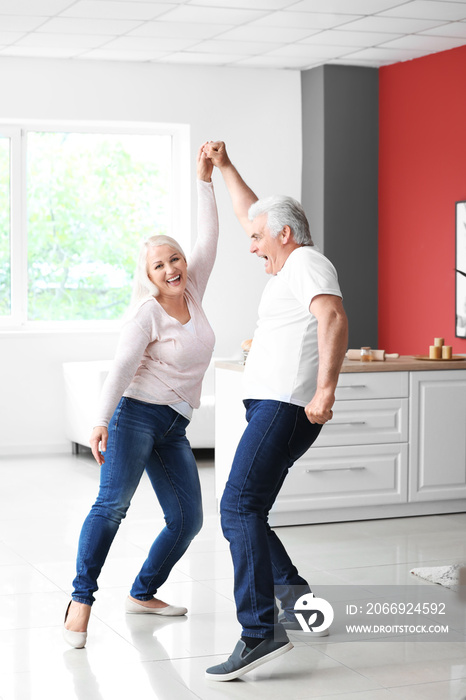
180 216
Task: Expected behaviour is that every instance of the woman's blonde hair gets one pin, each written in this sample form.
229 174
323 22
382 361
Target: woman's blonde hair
142 285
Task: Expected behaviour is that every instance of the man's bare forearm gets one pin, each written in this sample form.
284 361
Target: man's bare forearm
241 194
332 334
332 338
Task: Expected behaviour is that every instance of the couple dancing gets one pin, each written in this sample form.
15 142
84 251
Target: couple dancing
154 385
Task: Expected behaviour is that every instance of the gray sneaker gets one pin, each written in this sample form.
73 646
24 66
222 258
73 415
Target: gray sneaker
241 661
294 626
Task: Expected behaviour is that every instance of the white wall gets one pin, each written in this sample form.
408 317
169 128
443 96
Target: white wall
257 113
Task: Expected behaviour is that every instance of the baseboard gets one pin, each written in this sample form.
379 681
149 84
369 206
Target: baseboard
66 448
26 450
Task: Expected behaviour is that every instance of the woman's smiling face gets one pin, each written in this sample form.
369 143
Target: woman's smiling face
167 269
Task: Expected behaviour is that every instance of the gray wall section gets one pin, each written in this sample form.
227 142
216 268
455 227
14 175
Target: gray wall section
312 82
340 174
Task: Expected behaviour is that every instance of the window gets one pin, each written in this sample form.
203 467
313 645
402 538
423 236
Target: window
5 266
74 206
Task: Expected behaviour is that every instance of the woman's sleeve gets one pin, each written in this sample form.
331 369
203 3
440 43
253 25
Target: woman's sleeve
202 258
130 349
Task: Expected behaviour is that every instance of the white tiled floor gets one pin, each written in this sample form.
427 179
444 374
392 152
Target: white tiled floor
43 503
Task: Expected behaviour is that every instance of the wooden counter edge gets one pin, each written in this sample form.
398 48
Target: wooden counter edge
229 364
405 363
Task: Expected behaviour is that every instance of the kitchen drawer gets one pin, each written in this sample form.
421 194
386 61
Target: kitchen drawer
331 477
366 422
372 385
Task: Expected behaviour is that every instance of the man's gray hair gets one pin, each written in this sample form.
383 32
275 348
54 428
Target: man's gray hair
283 211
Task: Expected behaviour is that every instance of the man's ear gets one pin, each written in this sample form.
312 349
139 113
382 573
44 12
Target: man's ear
285 234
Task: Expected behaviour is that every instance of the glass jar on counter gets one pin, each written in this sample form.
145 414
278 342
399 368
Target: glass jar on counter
366 354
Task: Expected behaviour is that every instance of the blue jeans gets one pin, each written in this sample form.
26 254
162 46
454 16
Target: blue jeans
149 437
276 436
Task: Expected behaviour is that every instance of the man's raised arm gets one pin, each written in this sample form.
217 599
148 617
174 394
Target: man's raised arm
241 195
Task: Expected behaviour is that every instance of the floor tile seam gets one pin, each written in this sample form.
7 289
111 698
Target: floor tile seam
169 583
366 566
172 678
35 593
214 590
59 625
123 538
212 578
40 573
12 564
422 683
353 670
435 562
210 612
407 685
411 564
208 551
448 516
208 662
199 580
113 630
191 657
447 679
412 536
391 638
48 626
23 562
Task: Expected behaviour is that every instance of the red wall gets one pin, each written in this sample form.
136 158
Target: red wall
422 173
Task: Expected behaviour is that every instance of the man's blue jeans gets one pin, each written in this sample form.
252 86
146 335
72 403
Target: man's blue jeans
149 437
276 436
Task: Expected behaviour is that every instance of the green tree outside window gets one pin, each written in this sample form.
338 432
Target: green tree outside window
91 198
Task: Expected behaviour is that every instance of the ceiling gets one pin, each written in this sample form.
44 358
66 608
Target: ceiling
289 34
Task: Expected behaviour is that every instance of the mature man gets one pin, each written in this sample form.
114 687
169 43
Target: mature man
289 390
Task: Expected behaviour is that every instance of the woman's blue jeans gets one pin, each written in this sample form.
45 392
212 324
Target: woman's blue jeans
149 437
276 436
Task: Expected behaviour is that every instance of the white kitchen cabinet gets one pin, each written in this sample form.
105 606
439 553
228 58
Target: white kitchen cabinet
396 445
366 423
437 435
378 385
333 477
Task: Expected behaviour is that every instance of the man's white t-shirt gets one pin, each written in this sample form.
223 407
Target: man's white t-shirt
283 360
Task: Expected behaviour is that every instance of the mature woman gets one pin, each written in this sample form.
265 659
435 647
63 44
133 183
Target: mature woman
147 401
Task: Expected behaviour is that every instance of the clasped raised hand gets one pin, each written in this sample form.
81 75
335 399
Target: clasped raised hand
217 152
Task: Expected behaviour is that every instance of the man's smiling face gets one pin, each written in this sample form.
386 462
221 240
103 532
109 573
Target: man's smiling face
265 246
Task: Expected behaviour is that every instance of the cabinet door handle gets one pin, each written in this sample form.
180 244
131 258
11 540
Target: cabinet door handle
354 422
335 469
353 386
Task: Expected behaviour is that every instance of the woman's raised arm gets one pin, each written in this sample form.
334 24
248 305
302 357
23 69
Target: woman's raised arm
202 258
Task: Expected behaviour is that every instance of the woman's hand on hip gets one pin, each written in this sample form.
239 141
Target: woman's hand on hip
99 436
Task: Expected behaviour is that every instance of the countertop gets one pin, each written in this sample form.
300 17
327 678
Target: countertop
405 363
